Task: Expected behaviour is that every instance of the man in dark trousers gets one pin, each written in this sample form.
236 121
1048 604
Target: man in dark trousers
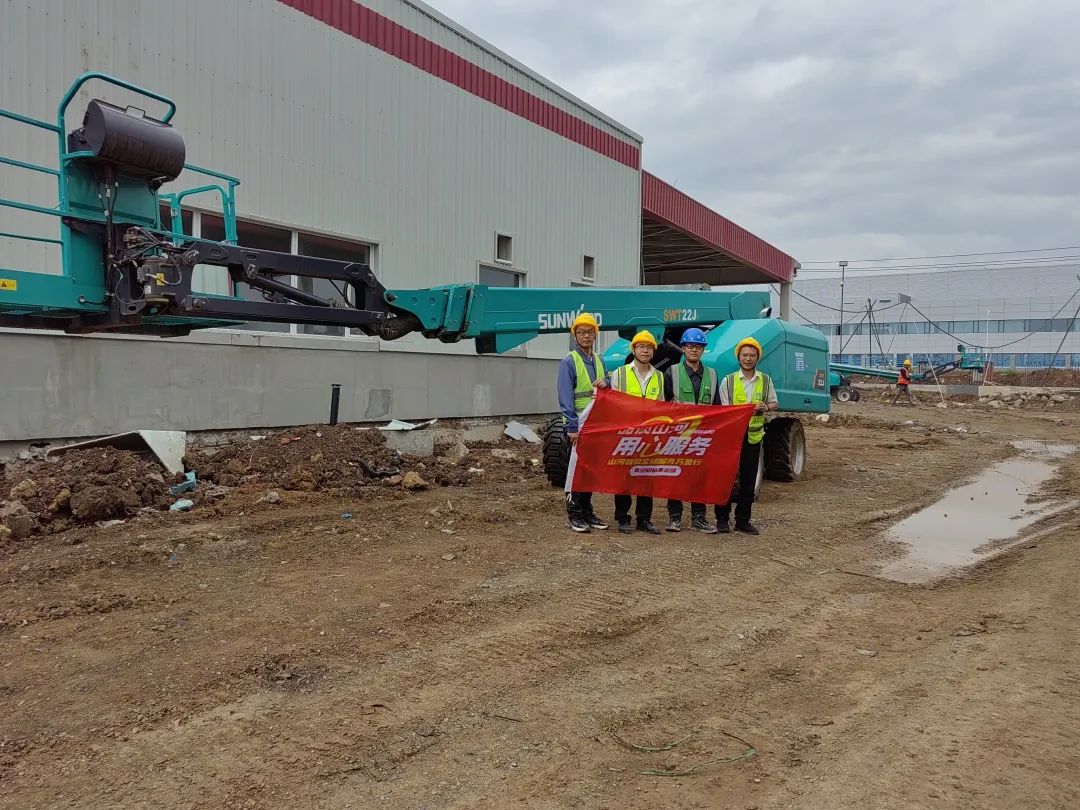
903 383
638 379
692 383
580 373
743 387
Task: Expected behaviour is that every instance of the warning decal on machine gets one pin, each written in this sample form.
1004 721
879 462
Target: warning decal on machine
8 284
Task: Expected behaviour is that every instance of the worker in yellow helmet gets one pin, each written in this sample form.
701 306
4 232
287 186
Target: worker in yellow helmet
638 378
580 373
903 383
744 387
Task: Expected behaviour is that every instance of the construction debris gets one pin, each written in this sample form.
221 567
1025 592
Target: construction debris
79 487
519 432
1030 398
319 459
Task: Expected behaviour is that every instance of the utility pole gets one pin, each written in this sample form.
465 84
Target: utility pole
840 328
870 333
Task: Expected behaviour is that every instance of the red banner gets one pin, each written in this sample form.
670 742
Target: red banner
634 446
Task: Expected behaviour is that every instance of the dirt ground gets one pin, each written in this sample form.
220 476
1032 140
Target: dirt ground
458 647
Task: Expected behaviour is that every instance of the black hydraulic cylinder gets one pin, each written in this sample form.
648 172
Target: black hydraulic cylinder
286 290
335 399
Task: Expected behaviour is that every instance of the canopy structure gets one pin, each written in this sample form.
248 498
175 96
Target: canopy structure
685 242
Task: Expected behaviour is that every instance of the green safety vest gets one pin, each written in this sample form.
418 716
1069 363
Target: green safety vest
684 388
756 430
583 388
626 380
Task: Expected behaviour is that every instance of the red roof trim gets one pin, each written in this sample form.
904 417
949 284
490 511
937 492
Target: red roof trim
390 37
666 203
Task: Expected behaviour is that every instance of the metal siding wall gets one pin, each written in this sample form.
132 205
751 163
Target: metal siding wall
427 23
330 134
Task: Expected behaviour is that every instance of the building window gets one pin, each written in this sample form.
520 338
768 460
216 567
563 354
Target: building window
500 277
252 235
504 248
588 268
324 247
166 219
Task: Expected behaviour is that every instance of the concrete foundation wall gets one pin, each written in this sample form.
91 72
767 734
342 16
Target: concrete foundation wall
57 386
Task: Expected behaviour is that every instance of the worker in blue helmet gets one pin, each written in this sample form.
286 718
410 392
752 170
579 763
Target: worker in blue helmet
692 382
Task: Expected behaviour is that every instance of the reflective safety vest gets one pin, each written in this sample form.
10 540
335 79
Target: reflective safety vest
625 379
756 431
583 383
904 378
684 386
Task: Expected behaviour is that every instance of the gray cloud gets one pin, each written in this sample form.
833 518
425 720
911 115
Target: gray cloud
832 127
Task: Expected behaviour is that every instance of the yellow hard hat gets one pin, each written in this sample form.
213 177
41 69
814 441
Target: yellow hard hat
907 362
748 341
584 319
643 337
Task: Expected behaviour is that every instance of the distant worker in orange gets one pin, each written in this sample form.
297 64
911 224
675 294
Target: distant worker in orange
903 383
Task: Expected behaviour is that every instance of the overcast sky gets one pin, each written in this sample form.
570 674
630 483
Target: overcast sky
833 128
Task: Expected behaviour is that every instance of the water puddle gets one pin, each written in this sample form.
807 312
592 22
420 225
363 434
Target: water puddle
976 521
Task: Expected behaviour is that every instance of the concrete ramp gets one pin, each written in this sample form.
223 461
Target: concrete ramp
167 446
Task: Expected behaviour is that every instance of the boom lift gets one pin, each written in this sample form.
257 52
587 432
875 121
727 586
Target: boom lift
125 271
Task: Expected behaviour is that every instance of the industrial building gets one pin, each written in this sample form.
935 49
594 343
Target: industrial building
380 132
1022 316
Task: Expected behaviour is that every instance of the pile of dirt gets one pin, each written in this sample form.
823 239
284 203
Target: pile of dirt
1055 377
78 487
322 458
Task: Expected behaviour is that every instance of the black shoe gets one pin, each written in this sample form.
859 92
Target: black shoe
595 522
675 525
578 523
700 524
723 527
647 526
746 527
625 527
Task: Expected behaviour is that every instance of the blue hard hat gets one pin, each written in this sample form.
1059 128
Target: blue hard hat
693 335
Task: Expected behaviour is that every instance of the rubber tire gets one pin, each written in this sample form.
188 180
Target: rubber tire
556 452
855 395
785 449
844 394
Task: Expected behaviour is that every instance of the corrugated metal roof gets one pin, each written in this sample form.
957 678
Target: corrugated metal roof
754 258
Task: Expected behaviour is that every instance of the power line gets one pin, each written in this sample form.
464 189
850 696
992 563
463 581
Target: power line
1045 328
835 309
864 312
854 313
1063 337
951 255
1035 262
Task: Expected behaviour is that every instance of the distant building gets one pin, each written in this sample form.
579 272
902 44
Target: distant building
1024 314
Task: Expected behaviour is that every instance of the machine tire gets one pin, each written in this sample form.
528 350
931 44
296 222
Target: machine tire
785 449
556 452
855 395
845 394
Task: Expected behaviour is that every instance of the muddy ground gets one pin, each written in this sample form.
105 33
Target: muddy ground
457 647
